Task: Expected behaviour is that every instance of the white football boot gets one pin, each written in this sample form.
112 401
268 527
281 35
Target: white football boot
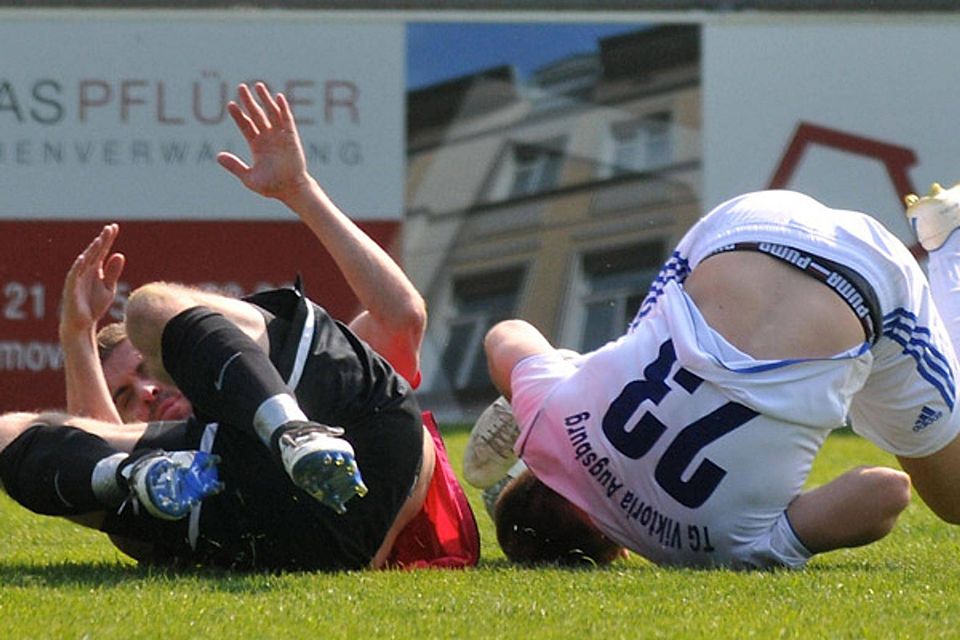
934 216
489 454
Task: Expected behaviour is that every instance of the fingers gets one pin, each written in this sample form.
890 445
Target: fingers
252 107
95 253
233 164
270 107
255 114
98 248
107 236
286 113
112 269
247 128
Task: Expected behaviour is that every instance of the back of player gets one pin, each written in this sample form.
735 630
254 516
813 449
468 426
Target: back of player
687 449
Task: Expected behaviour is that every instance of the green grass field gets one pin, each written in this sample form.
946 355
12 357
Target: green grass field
61 581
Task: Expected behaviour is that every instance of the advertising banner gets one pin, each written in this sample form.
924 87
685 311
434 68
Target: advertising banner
110 117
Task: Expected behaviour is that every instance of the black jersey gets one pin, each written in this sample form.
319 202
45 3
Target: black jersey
262 520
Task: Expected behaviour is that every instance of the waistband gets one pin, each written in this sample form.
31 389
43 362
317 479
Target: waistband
852 288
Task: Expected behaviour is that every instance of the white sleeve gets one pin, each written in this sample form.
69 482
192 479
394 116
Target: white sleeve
780 547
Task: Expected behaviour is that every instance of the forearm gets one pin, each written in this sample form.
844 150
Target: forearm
87 393
394 314
379 283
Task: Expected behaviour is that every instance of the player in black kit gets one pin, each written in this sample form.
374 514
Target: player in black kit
300 402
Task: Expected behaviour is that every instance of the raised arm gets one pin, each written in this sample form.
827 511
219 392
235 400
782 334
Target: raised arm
88 292
394 316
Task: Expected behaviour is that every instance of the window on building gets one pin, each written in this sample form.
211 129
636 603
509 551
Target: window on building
480 301
536 167
642 144
614 283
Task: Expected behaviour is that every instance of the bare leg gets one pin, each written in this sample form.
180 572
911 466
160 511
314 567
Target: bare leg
151 306
857 508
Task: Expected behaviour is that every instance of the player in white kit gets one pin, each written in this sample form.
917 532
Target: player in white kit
689 439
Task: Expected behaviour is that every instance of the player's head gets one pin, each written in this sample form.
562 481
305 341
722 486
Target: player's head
536 525
137 396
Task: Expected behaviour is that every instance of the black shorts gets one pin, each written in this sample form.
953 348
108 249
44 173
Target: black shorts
262 520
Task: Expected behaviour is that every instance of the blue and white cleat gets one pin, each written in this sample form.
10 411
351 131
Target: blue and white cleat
170 484
321 463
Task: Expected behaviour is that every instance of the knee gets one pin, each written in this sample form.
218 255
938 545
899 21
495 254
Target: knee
149 307
148 301
898 484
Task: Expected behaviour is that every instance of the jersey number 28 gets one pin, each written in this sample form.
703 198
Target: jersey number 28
638 441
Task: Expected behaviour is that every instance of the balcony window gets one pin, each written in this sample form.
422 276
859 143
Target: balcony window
643 144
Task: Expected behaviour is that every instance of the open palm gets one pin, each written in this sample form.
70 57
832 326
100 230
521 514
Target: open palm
278 165
91 283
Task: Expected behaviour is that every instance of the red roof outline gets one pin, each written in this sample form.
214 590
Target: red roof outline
895 158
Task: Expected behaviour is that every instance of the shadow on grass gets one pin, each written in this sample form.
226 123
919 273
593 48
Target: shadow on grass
21 574
103 574
97 575
822 566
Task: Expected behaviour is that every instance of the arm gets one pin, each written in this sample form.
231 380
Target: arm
394 315
854 509
88 292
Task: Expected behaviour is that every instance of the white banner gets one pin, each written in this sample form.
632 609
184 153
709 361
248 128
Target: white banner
853 112
109 115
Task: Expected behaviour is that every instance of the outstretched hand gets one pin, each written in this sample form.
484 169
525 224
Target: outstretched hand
279 169
91 283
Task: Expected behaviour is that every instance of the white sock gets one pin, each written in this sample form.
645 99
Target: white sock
104 482
273 413
943 271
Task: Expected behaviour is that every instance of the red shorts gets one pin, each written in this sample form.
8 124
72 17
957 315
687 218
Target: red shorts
444 534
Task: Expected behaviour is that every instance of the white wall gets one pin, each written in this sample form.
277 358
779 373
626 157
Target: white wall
890 80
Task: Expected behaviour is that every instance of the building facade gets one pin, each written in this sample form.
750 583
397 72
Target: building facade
554 199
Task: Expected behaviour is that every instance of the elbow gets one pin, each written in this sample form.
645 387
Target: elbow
413 318
411 323
418 315
893 491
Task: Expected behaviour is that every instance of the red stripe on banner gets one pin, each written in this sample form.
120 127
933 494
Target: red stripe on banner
239 256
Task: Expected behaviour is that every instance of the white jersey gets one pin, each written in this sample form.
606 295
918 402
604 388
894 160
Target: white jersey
687 450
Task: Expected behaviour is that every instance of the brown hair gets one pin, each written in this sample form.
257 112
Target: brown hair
108 337
536 525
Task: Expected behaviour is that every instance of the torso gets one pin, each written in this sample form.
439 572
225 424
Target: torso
683 446
769 309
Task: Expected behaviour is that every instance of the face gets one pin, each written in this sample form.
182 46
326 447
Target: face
137 396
